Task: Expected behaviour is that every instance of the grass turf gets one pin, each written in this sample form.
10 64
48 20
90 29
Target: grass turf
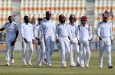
19 69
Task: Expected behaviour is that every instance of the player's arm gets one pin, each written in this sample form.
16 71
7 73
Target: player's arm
2 29
37 33
77 33
90 33
22 33
98 31
32 34
111 33
57 33
70 34
17 32
13 42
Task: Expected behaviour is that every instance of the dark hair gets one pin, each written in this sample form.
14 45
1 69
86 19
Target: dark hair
40 19
48 12
25 17
9 17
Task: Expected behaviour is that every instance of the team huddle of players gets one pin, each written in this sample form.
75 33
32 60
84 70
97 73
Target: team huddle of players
72 40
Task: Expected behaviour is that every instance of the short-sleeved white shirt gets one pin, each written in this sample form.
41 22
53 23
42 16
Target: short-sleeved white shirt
11 29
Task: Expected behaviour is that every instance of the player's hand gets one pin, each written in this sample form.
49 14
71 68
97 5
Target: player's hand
33 41
78 42
37 38
12 43
71 41
90 39
39 41
111 41
57 40
25 40
100 38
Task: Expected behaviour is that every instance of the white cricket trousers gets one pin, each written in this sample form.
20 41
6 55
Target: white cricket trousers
30 45
85 53
40 50
105 44
65 48
8 48
49 47
74 51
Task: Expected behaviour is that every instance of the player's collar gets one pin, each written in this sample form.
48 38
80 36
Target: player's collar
72 24
85 25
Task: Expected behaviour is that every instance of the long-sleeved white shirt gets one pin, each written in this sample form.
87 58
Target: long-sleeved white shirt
38 31
62 30
85 32
104 30
11 29
48 27
27 31
73 31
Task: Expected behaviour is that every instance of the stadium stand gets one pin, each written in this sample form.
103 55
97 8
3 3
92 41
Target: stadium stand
67 7
5 10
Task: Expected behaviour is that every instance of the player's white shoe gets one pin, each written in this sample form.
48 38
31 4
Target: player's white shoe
100 66
49 65
12 60
64 65
29 62
40 64
82 66
24 63
7 64
87 66
72 64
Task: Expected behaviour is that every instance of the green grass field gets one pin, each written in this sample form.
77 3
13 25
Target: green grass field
19 69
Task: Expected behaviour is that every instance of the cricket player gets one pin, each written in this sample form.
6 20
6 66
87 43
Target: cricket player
62 37
85 35
40 42
104 32
11 36
27 39
74 47
48 33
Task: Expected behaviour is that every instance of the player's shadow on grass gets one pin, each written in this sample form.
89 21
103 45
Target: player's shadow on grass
32 66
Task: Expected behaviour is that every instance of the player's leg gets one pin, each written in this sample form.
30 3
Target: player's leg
101 50
82 55
108 51
51 46
76 54
38 53
12 54
62 52
8 46
88 54
47 42
72 63
69 54
24 53
30 45
43 49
